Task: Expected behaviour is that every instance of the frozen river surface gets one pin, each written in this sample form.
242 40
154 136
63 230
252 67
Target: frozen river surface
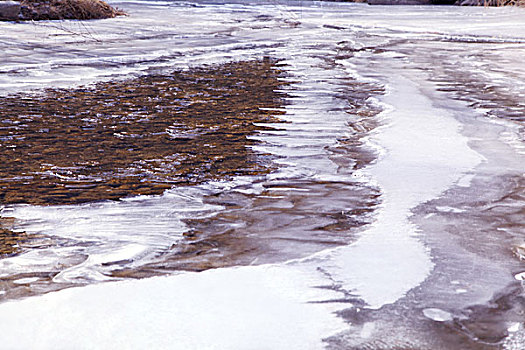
393 217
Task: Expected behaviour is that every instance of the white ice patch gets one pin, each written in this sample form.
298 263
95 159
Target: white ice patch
393 54
240 308
26 280
446 209
514 327
437 315
425 155
520 276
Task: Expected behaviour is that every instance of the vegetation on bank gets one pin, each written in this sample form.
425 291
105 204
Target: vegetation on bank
67 9
34 10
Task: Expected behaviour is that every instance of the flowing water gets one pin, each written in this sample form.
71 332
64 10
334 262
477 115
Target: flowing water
264 175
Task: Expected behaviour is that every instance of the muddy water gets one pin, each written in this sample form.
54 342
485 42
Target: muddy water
392 143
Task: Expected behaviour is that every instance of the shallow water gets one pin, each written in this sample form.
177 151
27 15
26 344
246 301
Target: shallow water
393 176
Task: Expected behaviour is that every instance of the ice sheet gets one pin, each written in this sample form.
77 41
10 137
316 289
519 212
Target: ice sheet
285 306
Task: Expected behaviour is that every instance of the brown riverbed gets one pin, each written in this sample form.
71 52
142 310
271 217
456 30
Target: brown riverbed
135 137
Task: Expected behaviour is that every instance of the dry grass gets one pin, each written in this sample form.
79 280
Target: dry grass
491 3
67 9
500 3
510 3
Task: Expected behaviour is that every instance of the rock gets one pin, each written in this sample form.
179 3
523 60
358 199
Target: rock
9 10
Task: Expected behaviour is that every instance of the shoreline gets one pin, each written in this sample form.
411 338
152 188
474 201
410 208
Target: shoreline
57 10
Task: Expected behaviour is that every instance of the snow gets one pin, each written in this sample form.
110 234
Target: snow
240 308
281 306
425 155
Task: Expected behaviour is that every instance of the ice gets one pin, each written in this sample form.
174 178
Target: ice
422 153
514 327
520 276
437 315
26 280
465 181
133 230
446 209
422 159
239 308
281 306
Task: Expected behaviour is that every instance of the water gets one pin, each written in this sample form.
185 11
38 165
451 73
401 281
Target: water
396 183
